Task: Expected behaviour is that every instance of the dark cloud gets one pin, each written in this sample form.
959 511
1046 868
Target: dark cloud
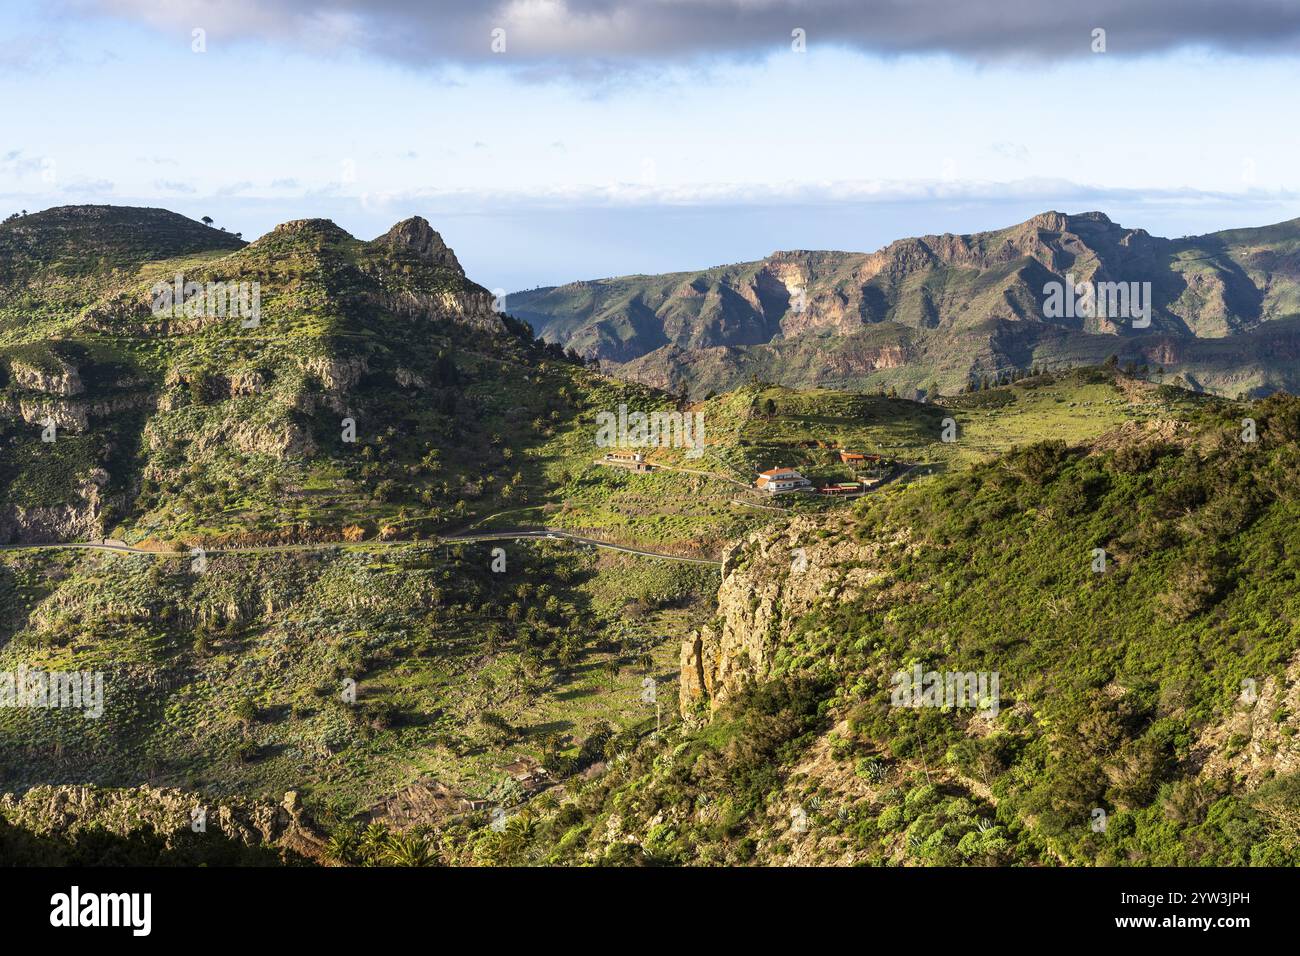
583 35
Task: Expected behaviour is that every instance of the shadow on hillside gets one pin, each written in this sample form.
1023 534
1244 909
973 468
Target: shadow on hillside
95 846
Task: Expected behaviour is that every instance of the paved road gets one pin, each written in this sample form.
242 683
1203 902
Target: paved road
509 535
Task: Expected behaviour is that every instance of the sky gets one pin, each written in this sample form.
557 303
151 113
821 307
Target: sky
550 141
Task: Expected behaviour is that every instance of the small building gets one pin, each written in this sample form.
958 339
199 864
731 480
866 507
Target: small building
528 773
631 460
856 457
780 479
841 488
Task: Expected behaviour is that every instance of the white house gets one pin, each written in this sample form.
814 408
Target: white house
780 479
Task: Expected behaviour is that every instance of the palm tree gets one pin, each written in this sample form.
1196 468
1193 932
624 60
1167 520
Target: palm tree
374 843
408 849
342 848
567 653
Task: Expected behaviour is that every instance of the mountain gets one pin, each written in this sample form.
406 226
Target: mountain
367 663
947 309
374 377
318 413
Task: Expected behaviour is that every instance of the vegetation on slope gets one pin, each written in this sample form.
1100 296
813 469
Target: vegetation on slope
1123 691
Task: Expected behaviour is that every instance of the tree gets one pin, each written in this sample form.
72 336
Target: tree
1278 802
496 728
206 220
407 849
245 711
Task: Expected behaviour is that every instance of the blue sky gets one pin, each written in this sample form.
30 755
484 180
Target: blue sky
557 165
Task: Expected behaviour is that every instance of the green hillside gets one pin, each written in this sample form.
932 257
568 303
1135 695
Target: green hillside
1159 691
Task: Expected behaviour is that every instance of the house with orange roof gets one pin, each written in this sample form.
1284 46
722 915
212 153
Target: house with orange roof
780 479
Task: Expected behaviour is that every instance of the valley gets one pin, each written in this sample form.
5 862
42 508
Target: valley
361 578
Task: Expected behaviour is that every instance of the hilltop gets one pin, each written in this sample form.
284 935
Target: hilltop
176 423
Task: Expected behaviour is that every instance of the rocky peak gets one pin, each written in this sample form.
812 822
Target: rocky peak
1093 216
1050 221
324 228
417 236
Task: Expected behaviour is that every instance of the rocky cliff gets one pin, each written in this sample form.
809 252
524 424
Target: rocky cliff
769 581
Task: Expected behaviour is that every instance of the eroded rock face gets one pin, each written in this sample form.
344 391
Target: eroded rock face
62 380
768 581
470 306
279 440
416 235
336 374
1252 743
66 811
78 520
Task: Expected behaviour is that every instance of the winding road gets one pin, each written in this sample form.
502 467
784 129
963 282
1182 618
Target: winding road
509 535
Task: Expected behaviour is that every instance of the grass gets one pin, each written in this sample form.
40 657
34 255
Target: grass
432 638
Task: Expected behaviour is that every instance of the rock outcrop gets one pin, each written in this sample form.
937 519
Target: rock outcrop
60 379
417 236
67 811
768 581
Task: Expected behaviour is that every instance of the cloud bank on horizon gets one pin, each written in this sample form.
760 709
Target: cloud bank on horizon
577 35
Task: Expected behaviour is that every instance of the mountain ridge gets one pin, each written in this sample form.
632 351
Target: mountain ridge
947 289
153 400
